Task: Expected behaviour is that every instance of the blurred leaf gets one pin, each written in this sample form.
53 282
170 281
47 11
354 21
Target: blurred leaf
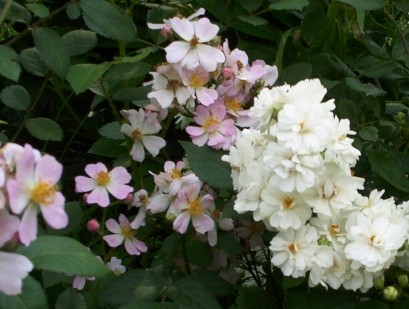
365 4
73 10
38 9
32 297
80 41
250 6
369 133
16 12
51 278
31 61
7 52
374 48
367 88
107 20
371 304
112 130
294 73
288 4
374 67
388 169
70 299
140 56
143 303
137 95
75 216
228 243
212 282
317 28
253 20
199 253
127 71
16 97
81 76
216 174
65 255
190 294
44 129
108 148
360 17
254 297
290 282
52 49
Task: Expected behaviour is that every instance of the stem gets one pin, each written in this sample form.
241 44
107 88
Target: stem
68 144
37 99
185 257
6 9
110 102
37 23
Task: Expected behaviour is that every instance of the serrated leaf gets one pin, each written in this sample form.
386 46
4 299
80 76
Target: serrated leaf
63 255
70 299
80 41
365 4
317 27
9 69
44 129
17 12
31 61
38 9
52 49
73 10
369 133
367 88
112 130
107 20
389 170
81 76
253 20
288 4
16 97
250 6
189 294
206 163
32 297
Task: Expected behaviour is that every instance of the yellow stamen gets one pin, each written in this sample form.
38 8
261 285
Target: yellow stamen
127 231
334 230
198 79
175 173
288 202
173 84
209 122
43 193
136 134
102 178
194 41
293 248
232 104
195 208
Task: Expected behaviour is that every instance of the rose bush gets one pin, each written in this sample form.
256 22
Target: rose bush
204 154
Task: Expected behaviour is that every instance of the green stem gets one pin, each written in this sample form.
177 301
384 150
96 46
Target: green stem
185 256
6 9
68 144
110 102
28 112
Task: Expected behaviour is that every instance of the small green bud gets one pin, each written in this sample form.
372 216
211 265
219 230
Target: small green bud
378 283
403 280
390 293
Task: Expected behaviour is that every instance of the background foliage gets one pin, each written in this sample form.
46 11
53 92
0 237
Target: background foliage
67 68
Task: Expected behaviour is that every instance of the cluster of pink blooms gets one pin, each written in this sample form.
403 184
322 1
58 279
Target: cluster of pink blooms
28 186
206 79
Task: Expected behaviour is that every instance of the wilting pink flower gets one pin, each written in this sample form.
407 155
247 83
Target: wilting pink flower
123 232
141 128
34 189
214 129
193 208
101 182
194 51
13 269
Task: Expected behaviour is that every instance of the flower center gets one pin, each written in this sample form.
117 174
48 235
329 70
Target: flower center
209 122
334 230
136 134
232 104
173 84
239 65
194 41
293 248
175 173
102 178
43 193
195 208
198 79
288 202
143 199
127 231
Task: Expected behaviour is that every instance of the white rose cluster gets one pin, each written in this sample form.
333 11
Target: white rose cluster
292 170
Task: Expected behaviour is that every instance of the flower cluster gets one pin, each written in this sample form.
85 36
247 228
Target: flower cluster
28 185
292 170
206 80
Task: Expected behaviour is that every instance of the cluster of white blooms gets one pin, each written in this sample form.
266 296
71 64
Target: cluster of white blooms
292 170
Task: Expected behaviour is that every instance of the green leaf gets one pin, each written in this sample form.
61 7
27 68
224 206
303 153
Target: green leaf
73 10
108 148
16 97
75 216
369 133
112 130
64 255
137 95
9 68
44 129
295 72
317 28
189 294
32 297
383 164
254 297
371 304
31 61
365 4
52 49
70 299
38 9
7 52
288 4
16 12
81 76
360 17
212 282
367 88
253 20
80 41
127 71
140 56
206 163
107 20
250 6
199 253
143 303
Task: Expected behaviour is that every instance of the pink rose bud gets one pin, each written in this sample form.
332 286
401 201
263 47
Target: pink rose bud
84 198
227 73
128 199
166 30
93 225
